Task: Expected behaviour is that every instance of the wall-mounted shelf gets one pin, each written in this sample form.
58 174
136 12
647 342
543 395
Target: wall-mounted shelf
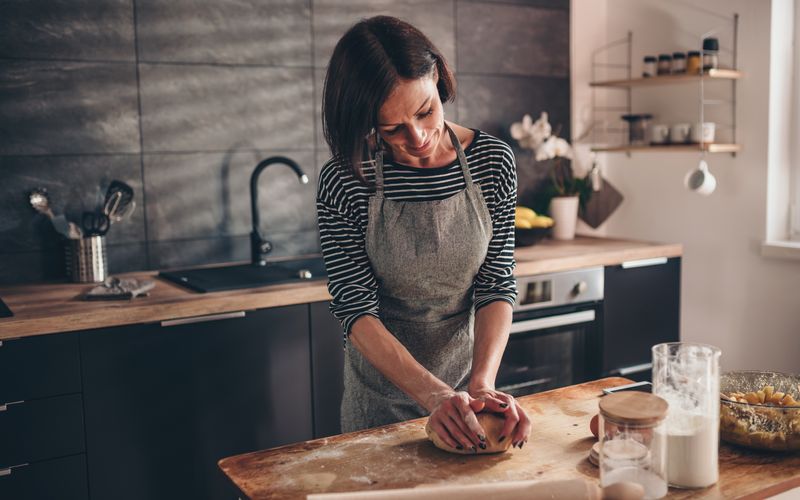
713 74
609 136
672 148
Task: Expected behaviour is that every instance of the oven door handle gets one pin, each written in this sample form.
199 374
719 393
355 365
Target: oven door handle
552 321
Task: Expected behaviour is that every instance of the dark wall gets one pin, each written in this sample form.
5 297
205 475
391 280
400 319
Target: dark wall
181 98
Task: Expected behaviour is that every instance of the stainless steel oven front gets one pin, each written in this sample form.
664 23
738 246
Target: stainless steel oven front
555 329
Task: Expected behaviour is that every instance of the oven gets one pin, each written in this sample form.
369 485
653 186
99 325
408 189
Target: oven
555 332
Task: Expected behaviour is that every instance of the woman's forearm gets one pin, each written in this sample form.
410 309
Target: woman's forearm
392 359
492 325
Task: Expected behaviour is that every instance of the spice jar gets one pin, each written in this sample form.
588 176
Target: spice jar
649 66
693 62
664 64
678 62
710 54
633 446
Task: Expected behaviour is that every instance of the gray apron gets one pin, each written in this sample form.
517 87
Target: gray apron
425 256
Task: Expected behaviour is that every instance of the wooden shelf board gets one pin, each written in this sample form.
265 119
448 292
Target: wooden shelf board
711 148
714 74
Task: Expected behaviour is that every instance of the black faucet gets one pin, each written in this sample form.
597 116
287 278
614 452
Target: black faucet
259 246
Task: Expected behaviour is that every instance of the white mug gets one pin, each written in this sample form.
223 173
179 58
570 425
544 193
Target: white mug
679 133
659 134
700 180
703 132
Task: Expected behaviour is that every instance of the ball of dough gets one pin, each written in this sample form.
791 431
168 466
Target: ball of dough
493 425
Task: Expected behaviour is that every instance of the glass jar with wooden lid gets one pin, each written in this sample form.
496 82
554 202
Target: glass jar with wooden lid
633 446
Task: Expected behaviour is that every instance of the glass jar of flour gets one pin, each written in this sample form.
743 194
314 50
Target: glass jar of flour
632 441
686 375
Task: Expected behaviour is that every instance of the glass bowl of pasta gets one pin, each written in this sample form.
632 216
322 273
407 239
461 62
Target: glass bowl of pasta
761 410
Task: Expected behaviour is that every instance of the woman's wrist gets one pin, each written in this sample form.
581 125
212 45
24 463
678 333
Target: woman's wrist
480 386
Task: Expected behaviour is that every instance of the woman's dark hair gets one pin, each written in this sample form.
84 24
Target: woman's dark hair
366 65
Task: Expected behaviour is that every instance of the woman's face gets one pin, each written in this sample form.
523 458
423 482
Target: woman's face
411 122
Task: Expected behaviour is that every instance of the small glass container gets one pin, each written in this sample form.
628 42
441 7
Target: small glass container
649 66
633 446
664 64
638 128
710 54
693 62
678 63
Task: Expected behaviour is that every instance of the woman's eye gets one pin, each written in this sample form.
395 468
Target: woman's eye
391 132
428 113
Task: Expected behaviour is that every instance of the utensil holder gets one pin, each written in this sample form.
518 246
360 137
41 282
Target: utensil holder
87 260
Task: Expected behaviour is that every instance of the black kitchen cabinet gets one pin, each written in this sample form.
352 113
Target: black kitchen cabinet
327 361
164 403
62 478
641 308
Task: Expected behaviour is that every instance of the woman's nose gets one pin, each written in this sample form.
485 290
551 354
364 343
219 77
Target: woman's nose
417 136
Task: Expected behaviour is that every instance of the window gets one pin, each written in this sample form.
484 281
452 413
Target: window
783 183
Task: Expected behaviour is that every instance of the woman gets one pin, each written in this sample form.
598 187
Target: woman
416 225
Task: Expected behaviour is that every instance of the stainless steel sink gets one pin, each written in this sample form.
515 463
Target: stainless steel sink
216 279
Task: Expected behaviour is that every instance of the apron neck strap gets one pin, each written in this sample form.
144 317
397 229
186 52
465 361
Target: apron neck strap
462 160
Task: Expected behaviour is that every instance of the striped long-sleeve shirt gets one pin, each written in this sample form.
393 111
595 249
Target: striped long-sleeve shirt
342 202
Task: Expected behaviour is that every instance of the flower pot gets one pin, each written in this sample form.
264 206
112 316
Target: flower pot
564 211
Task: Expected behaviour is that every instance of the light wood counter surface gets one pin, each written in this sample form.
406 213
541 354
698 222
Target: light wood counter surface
400 456
57 307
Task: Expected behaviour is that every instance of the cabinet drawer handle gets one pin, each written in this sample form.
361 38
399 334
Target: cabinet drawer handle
630 264
8 470
4 406
203 319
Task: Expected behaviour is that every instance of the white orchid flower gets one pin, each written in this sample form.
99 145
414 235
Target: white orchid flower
541 129
562 148
521 130
546 150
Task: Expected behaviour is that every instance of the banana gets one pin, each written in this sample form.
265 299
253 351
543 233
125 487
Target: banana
522 224
521 212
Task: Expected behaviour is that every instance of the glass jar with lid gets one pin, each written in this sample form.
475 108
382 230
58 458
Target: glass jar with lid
678 63
694 64
664 64
633 446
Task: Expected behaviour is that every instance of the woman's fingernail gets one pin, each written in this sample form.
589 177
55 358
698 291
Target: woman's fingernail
459 447
503 405
500 439
481 437
483 446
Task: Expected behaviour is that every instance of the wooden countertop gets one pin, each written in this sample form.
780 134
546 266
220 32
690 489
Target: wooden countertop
400 456
53 308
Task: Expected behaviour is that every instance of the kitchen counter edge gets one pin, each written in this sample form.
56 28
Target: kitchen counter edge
43 309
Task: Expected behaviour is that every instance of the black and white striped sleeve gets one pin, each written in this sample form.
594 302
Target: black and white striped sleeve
351 281
495 279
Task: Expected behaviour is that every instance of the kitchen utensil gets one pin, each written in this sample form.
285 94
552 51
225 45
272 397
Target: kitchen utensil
40 201
679 133
114 288
86 259
119 202
700 180
565 489
762 426
95 223
686 375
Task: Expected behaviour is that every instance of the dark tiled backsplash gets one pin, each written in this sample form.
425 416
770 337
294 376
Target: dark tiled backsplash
215 89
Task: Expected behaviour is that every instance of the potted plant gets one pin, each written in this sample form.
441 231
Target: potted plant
565 193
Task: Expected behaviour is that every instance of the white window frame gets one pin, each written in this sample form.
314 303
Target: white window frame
783 183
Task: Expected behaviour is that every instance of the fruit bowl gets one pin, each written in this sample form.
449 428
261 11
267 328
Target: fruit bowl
765 426
527 237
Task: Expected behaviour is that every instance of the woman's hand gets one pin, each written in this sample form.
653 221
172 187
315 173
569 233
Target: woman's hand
453 419
518 425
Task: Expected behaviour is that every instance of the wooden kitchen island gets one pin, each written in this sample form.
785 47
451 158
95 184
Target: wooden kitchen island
400 456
